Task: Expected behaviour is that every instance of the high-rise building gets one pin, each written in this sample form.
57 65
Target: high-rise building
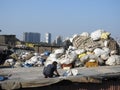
31 37
59 40
48 38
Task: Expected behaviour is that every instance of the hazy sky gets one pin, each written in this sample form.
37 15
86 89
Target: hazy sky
59 17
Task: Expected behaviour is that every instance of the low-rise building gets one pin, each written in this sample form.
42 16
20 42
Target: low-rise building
7 40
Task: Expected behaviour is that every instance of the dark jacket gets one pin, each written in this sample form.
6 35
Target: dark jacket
49 70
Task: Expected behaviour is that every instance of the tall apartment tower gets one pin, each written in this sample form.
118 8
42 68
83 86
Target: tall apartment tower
59 40
48 38
31 37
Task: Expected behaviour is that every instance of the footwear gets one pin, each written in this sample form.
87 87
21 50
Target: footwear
45 77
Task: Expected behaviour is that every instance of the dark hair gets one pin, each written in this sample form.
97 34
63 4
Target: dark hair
55 63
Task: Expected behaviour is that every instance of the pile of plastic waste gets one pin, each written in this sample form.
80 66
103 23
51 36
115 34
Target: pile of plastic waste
85 49
89 50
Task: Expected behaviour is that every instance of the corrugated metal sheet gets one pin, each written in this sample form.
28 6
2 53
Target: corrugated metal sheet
102 78
67 85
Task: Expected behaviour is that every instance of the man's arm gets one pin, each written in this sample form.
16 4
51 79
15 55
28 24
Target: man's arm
57 73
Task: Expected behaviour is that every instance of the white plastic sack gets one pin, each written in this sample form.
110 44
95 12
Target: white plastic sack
75 35
34 59
64 61
48 62
10 61
52 55
71 48
98 52
51 59
113 52
67 73
84 59
107 50
68 58
79 51
38 63
104 56
106 43
71 39
72 56
113 60
57 51
29 62
36 54
71 72
85 34
74 72
18 64
92 56
117 59
96 35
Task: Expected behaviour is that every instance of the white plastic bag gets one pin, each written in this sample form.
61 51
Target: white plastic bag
98 52
71 72
74 72
96 35
113 60
85 34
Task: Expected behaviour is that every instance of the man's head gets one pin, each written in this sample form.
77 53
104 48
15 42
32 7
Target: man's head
55 63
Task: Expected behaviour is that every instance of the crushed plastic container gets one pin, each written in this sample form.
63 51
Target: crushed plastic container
2 78
47 53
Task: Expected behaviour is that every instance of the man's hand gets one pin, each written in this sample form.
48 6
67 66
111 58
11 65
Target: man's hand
57 75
